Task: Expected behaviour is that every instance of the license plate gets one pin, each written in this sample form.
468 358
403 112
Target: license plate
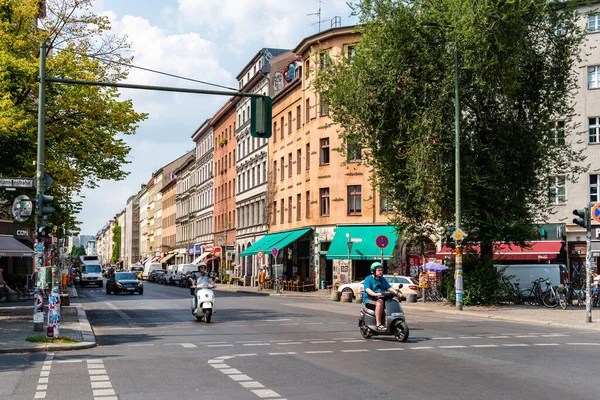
130 288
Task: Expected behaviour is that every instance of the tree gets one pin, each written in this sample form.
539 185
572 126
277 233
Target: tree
395 98
116 253
85 125
77 251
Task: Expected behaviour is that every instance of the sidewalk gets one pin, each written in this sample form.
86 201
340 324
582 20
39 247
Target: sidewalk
572 317
16 324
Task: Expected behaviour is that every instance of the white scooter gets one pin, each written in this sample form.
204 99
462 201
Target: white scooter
204 306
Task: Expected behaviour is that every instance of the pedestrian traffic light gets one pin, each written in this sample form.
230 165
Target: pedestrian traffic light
261 110
45 205
584 217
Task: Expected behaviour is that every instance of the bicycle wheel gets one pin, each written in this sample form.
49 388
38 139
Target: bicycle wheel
550 300
562 301
21 296
528 297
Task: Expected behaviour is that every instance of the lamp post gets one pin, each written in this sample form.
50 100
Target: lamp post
458 258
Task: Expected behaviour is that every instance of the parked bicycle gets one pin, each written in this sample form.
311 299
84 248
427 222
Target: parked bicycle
432 294
534 295
554 296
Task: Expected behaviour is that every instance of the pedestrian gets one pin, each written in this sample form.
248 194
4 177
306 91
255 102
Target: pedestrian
261 279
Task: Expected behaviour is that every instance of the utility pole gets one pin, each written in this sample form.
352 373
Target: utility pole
458 259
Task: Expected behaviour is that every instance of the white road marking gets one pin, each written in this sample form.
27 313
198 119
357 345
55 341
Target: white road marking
42 387
546 344
68 361
391 349
498 337
343 338
442 338
452 347
526 336
420 348
188 345
251 384
96 378
103 392
43 379
249 341
101 385
219 366
554 335
353 341
470 337
256 344
354 351
515 345
289 324
45 373
130 321
265 393
323 342
583 344
484 345
230 371
319 352
288 343
240 377
140 344
219 345
277 354
313 323
97 372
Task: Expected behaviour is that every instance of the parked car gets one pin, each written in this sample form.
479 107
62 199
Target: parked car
137 270
183 273
124 282
171 276
156 276
410 285
354 287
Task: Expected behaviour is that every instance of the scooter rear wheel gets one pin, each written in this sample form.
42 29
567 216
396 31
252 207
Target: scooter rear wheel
364 330
401 331
207 316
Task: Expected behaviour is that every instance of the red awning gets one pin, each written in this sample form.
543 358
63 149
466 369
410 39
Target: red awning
544 250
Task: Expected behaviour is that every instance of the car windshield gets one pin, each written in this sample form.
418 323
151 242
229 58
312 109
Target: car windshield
124 276
91 268
137 269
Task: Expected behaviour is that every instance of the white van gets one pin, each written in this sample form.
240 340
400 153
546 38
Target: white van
525 274
183 270
149 267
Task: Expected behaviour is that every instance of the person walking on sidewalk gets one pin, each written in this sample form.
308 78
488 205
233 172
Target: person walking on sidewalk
261 279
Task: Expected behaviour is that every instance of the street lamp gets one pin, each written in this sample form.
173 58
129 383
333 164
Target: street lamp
458 283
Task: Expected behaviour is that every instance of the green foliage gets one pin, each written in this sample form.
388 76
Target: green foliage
517 78
77 251
116 253
85 125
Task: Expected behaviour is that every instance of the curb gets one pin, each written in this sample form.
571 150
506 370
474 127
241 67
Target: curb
89 339
285 294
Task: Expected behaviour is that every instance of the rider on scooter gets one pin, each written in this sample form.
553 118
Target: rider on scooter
202 278
375 285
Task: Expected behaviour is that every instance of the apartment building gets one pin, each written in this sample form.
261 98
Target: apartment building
143 223
224 126
184 203
251 163
204 220
131 254
324 213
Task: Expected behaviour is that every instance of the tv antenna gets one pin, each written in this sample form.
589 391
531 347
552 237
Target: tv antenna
318 14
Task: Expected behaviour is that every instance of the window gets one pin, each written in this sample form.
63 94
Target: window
594 188
289 123
307 110
307 204
323 108
307 156
274 217
275 132
324 151
354 152
558 194
282 168
298 117
289 165
282 210
593 130
385 205
323 60
281 128
306 68
274 170
351 53
298 206
324 193
354 200
594 23
298 161
593 78
290 209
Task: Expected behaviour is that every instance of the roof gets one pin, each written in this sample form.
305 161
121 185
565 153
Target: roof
307 41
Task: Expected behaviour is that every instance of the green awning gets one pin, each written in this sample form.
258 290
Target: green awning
271 240
366 249
167 257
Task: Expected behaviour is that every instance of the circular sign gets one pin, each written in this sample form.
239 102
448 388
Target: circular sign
274 251
260 254
382 241
22 208
596 212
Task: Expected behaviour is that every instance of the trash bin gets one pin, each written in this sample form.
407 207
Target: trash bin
411 298
347 297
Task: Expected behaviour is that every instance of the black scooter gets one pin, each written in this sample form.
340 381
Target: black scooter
394 320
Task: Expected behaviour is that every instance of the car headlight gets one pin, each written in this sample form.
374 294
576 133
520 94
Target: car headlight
100 277
140 284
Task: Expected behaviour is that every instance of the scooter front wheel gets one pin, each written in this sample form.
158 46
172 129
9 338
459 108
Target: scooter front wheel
401 331
207 315
364 330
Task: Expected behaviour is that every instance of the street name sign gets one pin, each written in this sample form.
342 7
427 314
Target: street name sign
17 183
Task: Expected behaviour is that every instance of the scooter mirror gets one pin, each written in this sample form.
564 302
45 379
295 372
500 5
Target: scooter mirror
400 286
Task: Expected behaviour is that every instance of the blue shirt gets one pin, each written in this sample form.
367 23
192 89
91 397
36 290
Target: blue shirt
203 278
377 285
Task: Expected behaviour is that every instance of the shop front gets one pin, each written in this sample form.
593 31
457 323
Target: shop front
534 252
16 250
355 247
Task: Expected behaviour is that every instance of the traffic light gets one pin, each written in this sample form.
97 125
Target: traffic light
261 110
44 231
584 217
46 206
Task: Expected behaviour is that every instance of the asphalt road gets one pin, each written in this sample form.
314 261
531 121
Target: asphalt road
151 347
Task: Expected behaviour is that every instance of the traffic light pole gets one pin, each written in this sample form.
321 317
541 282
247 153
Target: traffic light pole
588 271
38 260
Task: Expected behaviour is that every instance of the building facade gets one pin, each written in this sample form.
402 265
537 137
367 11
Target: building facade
204 220
184 203
131 253
251 164
224 126
143 218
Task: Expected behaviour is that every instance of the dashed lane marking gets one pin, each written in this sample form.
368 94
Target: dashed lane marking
42 386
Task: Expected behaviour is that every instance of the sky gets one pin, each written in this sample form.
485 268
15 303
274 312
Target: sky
208 40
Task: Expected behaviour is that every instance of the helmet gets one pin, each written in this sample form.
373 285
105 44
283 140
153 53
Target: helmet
201 265
376 265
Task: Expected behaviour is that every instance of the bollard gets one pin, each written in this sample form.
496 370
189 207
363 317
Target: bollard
335 296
